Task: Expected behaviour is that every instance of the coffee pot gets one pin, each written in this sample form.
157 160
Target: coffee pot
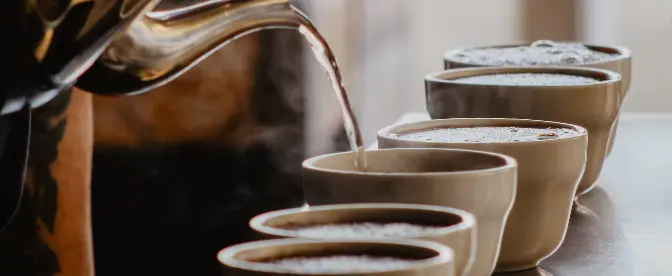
121 47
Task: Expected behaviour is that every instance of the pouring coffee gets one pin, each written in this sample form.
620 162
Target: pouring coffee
121 47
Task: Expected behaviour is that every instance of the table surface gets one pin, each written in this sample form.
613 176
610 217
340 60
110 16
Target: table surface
623 227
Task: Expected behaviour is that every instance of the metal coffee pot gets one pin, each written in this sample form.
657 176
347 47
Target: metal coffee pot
106 47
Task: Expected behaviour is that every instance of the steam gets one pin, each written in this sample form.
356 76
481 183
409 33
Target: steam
286 65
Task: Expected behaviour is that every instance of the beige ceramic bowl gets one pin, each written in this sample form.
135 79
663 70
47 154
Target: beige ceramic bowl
255 258
481 183
620 64
549 172
456 230
592 106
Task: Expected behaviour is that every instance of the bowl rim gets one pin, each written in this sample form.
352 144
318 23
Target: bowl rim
390 132
509 163
623 52
467 220
226 256
442 76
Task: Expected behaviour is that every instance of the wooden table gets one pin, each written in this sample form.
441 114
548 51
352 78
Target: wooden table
623 227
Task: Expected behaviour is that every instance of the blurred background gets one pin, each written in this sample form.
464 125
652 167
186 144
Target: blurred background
385 47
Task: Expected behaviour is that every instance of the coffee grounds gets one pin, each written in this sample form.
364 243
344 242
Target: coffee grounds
341 264
542 52
366 229
488 134
528 79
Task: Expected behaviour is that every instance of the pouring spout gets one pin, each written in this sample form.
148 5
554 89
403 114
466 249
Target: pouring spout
165 43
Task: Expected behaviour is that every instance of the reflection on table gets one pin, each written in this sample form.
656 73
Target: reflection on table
595 243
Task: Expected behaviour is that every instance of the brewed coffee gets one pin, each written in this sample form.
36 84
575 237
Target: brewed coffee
530 79
542 52
341 264
503 134
326 58
366 230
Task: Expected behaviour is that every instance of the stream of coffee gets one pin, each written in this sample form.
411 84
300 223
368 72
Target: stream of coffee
326 58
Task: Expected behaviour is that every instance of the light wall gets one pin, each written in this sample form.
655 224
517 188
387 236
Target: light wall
385 47
647 31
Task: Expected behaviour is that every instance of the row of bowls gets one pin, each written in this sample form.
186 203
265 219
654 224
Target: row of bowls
505 206
593 106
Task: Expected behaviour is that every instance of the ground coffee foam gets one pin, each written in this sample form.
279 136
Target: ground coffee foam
341 264
366 230
488 134
542 52
528 79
